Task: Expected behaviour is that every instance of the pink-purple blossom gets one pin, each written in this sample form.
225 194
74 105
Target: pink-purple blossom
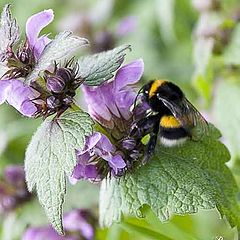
97 146
18 95
13 189
34 25
114 99
78 224
13 89
110 105
126 25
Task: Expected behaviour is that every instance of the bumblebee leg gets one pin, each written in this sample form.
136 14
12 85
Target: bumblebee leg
144 126
152 143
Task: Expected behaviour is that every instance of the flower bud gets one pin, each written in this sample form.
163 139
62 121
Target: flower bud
65 74
55 84
129 143
24 55
68 100
53 102
135 154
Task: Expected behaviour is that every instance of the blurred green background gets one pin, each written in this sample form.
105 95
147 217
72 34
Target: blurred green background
187 42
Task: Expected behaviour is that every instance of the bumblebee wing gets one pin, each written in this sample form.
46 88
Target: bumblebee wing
187 115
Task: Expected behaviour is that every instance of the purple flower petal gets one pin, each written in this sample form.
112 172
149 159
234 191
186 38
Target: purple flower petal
75 224
115 97
28 108
116 163
105 144
14 174
76 221
19 95
97 145
5 86
34 26
96 103
129 74
87 172
126 25
91 141
44 233
39 46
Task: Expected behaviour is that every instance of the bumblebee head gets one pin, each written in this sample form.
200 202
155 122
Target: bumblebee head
166 90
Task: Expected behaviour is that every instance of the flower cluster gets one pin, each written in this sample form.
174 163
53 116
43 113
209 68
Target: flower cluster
28 80
110 105
78 224
13 189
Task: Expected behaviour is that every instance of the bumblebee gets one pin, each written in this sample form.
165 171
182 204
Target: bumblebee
170 116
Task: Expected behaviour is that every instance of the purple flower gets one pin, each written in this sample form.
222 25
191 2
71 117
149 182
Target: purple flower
114 99
34 26
126 25
18 95
97 146
110 104
43 233
13 189
12 88
14 174
33 81
80 221
78 224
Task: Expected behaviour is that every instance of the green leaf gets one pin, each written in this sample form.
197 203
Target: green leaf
143 231
177 180
9 30
232 52
61 47
50 157
100 67
227 113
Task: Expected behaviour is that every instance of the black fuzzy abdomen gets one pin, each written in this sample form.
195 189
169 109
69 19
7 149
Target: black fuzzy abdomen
173 133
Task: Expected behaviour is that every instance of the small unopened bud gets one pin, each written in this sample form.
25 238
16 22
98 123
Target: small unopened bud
53 102
55 84
129 144
68 100
64 73
24 55
135 154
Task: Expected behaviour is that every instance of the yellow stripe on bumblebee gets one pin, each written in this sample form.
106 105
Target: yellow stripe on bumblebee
155 85
169 122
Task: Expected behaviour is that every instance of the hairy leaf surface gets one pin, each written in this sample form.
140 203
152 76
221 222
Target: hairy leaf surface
9 30
177 180
61 47
50 157
100 67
